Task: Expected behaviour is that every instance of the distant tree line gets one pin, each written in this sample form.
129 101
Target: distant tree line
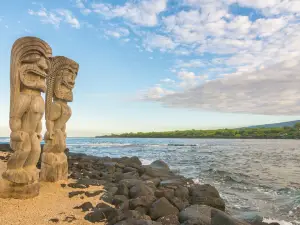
246 133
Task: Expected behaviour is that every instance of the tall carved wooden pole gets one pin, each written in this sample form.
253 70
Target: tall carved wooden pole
28 72
60 83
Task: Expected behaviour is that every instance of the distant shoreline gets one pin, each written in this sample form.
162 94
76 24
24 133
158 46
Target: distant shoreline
242 133
253 138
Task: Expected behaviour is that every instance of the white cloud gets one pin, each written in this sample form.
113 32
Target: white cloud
117 32
144 13
81 5
46 17
56 17
267 27
69 18
193 63
153 41
168 81
188 79
156 93
270 91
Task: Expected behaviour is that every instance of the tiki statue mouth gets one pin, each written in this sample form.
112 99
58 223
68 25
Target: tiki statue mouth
33 70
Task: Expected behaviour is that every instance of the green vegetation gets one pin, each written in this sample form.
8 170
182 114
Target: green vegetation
260 133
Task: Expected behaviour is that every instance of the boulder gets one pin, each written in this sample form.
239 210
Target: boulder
93 194
130 175
159 164
122 190
91 182
182 192
206 195
140 190
162 207
74 193
179 203
205 215
129 169
78 185
99 215
144 201
120 202
134 214
251 217
132 162
102 205
141 209
164 192
138 222
107 197
129 183
85 206
172 183
169 220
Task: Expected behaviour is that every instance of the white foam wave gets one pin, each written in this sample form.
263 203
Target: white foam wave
146 161
281 222
5 140
197 181
101 144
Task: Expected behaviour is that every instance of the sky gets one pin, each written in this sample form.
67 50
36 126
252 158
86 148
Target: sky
156 65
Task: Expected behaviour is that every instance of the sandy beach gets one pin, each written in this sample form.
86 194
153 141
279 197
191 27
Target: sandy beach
52 203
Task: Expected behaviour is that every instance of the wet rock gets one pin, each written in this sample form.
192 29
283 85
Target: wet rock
144 201
140 190
251 217
130 175
77 185
69 219
159 164
182 192
134 214
74 193
141 209
206 195
202 214
155 172
76 175
132 162
54 220
179 203
107 197
91 182
129 169
112 190
172 183
122 190
129 183
162 207
102 205
85 206
169 220
138 222
219 217
164 192
99 215
93 194
120 202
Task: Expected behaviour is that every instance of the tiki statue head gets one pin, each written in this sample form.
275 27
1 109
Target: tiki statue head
62 78
29 65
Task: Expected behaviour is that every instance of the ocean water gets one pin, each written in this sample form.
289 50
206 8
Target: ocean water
252 176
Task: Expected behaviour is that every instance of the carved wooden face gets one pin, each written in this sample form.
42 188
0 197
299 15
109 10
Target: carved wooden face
65 82
33 70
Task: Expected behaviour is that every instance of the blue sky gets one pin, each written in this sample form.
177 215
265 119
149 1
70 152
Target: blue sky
153 65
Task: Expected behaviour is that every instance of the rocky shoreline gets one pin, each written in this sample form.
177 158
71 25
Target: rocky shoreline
135 194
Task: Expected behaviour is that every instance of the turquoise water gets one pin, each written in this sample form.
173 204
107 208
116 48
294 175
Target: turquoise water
260 176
